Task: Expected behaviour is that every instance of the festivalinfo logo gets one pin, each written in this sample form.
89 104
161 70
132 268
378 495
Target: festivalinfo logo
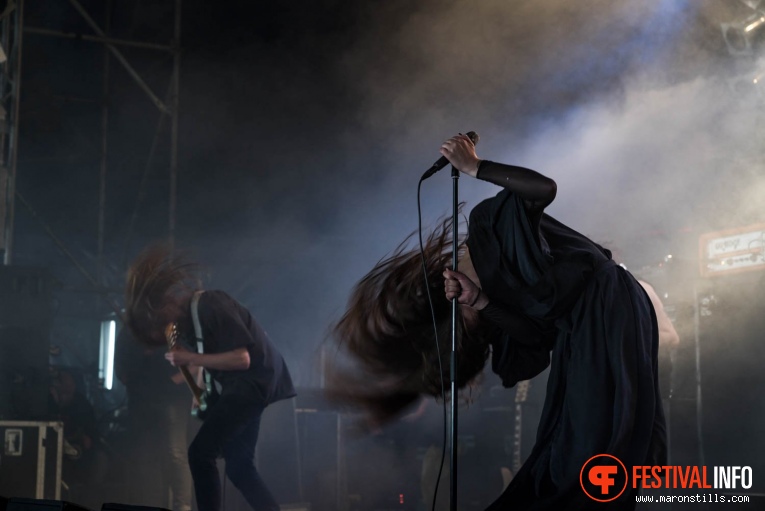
604 477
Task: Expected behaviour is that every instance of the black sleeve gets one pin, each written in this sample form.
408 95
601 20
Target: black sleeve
515 325
536 190
522 351
514 362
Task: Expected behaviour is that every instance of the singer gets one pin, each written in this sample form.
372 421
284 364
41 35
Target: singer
533 292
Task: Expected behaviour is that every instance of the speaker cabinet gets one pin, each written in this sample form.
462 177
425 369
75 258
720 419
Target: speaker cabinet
732 377
18 504
111 506
24 377
277 456
25 318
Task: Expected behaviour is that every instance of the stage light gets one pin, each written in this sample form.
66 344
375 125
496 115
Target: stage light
749 86
740 36
106 353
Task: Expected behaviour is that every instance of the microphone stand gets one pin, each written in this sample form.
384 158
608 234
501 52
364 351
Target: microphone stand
453 358
441 163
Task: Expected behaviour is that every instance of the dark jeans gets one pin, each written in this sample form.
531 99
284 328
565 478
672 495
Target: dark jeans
231 431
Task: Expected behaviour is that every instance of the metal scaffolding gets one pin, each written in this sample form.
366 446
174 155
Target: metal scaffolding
13 34
11 39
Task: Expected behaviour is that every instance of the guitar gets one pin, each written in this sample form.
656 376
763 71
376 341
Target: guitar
521 395
203 397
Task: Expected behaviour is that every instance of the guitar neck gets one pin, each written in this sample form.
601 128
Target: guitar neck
171 335
191 383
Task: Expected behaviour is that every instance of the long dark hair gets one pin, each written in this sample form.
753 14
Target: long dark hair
389 329
159 284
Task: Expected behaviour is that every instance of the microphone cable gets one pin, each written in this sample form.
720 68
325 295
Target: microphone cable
438 346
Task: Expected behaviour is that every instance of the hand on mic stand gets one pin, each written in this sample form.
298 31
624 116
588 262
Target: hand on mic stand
460 151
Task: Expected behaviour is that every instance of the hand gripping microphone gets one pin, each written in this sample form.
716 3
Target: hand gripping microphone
443 162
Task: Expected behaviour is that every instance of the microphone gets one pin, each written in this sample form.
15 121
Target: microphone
443 162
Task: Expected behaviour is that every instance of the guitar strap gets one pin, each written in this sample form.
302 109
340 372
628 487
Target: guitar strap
198 334
195 319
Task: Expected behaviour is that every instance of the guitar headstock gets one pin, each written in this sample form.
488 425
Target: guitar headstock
171 335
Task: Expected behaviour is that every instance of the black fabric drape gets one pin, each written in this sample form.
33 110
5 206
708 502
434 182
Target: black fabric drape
602 339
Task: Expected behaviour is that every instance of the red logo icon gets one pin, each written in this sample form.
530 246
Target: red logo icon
603 478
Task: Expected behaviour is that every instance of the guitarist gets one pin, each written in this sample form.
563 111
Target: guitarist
236 352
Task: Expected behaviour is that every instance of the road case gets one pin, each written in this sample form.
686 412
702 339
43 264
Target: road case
30 460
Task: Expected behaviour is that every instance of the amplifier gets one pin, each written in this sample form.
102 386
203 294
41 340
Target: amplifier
732 251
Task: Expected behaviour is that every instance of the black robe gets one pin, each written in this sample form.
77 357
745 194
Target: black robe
600 337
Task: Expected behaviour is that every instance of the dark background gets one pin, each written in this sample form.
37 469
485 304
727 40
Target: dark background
305 124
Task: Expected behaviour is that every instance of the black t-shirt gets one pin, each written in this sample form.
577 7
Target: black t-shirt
226 326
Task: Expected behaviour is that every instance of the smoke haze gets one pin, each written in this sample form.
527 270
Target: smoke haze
305 126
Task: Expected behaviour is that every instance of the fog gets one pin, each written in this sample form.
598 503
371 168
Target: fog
304 130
